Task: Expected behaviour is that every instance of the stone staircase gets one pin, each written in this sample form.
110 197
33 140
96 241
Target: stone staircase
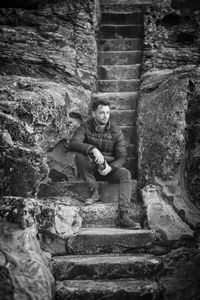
119 66
100 261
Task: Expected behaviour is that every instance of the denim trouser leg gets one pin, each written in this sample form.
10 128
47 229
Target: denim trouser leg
88 171
86 168
123 177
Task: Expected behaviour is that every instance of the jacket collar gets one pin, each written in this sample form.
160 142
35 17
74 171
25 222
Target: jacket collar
97 128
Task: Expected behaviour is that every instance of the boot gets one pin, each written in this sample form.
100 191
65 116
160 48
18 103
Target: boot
123 220
93 199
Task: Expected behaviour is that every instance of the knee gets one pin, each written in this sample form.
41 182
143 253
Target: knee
81 159
125 174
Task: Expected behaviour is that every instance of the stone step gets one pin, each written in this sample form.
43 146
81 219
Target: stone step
120 44
86 267
122 18
117 8
104 214
119 72
121 31
126 2
123 117
126 289
108 240
119 100
79 190
131 85
119 57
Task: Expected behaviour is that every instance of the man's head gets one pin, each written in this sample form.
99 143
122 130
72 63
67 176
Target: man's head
101 111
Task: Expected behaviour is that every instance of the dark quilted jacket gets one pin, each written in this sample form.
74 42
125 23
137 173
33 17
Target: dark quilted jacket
110 143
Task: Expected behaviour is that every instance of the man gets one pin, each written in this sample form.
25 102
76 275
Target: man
101 155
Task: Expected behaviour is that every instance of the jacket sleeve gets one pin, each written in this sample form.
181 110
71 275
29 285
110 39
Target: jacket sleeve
77 143
120 152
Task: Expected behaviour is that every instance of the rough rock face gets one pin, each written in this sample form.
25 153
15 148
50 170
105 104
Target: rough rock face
48 69
168 118
23 221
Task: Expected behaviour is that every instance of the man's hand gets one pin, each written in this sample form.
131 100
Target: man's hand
106 170
98 157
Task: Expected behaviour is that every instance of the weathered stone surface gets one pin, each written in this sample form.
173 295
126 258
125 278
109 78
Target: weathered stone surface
130 85
103 214
118 289
120 44
181 274
119 72
162 217
119 57
171 37
109 192
166 154
19 210
24 261
48 69
56 220
105 266
107 240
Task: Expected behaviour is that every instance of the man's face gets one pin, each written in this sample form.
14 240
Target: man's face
102 114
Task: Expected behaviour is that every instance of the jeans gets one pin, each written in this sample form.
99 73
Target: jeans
88 171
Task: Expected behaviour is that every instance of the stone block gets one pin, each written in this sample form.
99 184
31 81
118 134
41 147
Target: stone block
130 85
108 240
105 290
162 217
121 31
120 44
105 266
119 72
119 58
122 18
104 214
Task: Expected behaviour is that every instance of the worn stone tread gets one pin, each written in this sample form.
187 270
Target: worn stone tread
105 266
118 72
103 214
77 189
106 290
122 18
131 85
128 44
108 240
119 57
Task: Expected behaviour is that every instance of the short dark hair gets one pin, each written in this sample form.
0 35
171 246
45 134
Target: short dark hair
96 104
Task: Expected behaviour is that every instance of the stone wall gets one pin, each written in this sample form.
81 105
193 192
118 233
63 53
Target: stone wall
168 122
48 71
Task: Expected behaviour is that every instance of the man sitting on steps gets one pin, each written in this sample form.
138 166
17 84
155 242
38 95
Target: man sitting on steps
101 155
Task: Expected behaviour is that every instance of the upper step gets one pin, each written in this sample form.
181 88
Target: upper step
119 57
118 72
122 18
120 44
109 192
104 214
108 290
126 100
121 31
123 117
105 266
108 240
131 85
126 2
